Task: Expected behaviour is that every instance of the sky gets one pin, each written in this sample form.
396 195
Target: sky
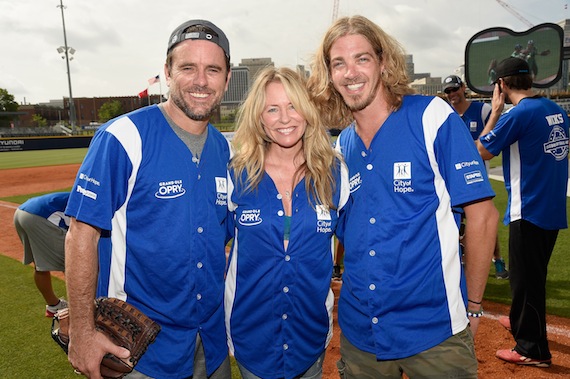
120 44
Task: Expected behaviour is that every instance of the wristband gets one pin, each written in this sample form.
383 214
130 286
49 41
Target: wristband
475 314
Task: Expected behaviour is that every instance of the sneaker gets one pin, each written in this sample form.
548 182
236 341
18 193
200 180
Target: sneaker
512 356
52 309
500 269
505 322
337 275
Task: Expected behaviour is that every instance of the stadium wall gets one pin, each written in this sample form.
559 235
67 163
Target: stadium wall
43 143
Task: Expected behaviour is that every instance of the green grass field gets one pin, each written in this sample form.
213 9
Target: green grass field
35 158
29 352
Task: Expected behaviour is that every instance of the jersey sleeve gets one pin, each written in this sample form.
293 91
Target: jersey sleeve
101 184
460 164
505 133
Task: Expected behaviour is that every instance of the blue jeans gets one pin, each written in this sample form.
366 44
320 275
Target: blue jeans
314 372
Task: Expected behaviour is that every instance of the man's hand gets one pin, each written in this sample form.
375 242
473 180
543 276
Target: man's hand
498 101
87 349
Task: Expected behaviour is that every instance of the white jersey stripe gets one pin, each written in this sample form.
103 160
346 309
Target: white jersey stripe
446 225
127 134
515 168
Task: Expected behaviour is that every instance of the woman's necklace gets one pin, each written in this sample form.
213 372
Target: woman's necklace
284 187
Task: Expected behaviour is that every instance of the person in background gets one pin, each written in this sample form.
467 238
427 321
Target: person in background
474 114
403 306
338 258
42 225
288 189
152 194
532 137
517 52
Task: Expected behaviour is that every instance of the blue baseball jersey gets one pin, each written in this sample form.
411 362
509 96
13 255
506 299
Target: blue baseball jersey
533 137
403 288
163 217
278 302
475 117
50 206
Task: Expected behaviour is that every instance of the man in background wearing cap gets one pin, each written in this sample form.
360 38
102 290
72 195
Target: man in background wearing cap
474 114
533 139
152 194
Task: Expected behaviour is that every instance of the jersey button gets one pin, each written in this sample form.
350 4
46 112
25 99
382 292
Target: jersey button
200 229
280 213
375 320
372 253
363 153
372 220
372 287
199 297
284 317
279 196
199 265
369 166
287 258
285 289
285 346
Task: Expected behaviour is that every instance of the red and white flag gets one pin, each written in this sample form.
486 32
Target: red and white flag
154 80
143 93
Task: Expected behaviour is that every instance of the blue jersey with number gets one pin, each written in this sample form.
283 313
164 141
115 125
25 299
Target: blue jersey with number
403 289
278 302
533 137
163 217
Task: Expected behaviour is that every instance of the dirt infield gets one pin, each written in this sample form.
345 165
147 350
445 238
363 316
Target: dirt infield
491 335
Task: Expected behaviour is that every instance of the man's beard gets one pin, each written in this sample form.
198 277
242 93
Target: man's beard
358 105
189 112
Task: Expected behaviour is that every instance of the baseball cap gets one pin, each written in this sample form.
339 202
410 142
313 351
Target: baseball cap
181 34
511 66
452 81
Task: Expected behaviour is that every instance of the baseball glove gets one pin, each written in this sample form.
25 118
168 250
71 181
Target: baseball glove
122 323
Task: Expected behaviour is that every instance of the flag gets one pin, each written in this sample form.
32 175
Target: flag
153 80
143 93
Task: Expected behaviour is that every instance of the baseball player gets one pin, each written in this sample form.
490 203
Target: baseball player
42 225
278 298
403 304
474 114
533 139
152 193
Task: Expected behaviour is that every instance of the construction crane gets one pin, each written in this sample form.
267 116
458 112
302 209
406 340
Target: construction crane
515 13
335 10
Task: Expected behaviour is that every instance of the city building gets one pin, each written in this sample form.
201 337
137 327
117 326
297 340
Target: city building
254 65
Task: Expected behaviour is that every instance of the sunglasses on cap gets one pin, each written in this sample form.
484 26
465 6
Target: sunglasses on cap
450 90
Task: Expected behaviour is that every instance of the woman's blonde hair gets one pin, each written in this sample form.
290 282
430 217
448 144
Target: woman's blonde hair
251 143
390 53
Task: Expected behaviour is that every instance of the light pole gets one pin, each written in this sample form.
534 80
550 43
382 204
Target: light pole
68 51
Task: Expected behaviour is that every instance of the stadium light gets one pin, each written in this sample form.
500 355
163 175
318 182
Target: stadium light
67 51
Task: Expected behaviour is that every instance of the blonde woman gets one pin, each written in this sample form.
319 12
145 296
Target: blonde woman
287 191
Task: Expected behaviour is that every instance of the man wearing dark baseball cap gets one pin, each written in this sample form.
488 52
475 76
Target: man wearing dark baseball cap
511 66
451 84
475 115
200 30
533 139
165 209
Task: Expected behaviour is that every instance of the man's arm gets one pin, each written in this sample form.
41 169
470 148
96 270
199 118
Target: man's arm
479 242
87 346
497 106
